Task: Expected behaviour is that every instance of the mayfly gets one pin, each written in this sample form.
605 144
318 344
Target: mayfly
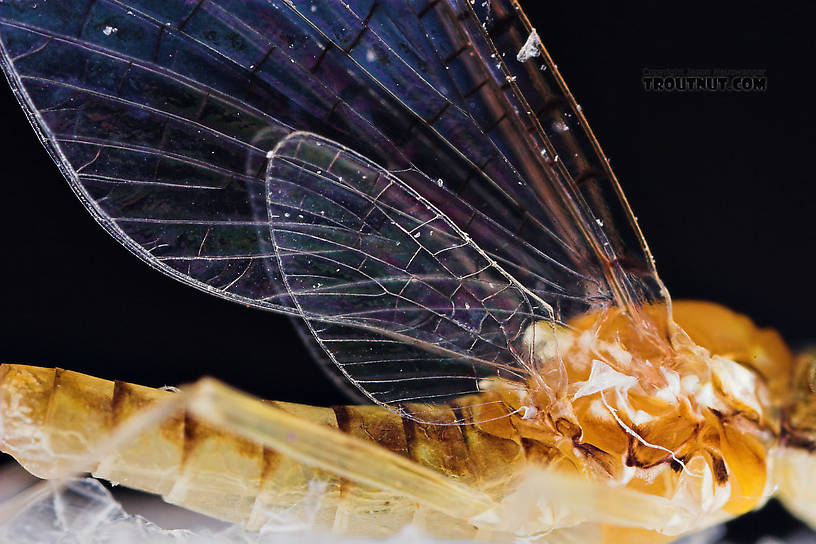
442 222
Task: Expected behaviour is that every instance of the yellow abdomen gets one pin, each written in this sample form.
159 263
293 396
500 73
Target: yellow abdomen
53 418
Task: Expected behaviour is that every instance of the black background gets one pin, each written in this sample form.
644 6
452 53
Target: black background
721 183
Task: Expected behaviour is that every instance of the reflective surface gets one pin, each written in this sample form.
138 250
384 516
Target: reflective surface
699 165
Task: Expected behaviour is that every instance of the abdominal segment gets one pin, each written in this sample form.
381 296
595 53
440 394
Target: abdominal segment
52 420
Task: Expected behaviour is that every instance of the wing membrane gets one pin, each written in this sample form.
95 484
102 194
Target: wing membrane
544 134
161 114
370 263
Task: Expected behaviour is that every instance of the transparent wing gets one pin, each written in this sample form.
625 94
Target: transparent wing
521 102
403 301
322 359
161 114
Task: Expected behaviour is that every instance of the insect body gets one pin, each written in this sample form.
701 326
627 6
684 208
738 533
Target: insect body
448 232
699 442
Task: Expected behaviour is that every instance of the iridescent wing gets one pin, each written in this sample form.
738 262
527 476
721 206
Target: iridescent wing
403 301
540 122
162 115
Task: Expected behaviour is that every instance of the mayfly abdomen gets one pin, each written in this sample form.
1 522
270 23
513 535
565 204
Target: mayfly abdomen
53 418
695 432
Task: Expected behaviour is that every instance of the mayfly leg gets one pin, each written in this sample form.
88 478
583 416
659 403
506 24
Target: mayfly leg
361 462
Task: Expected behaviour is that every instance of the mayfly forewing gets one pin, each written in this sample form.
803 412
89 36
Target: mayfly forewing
144 125
163 117
551 123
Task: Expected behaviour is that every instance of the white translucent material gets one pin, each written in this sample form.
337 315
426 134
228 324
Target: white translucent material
86 513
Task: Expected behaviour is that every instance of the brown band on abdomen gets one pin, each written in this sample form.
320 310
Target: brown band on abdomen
492 440
438 442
